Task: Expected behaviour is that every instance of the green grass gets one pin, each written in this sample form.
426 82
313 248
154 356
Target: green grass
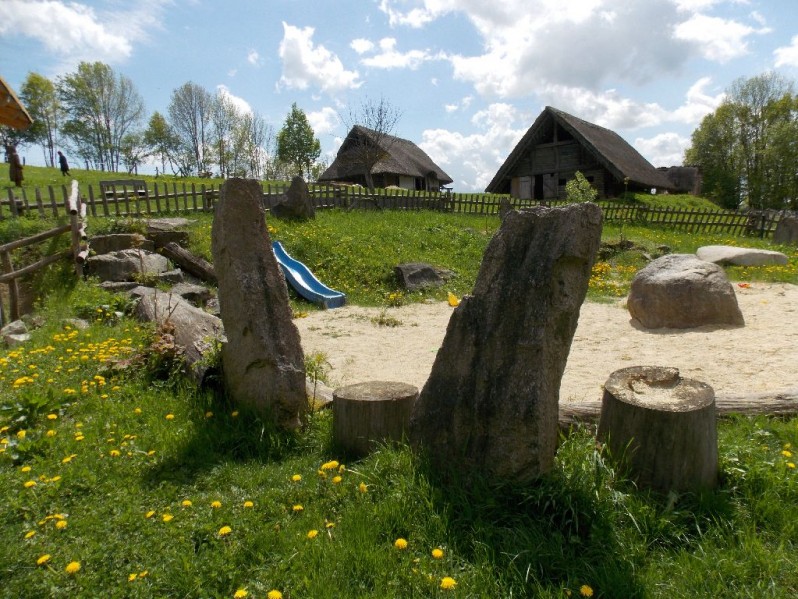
129 447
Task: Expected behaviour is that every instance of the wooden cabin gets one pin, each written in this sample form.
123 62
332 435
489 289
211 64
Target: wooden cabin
558 145
397 162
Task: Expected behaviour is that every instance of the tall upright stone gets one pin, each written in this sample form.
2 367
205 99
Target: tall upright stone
262 359
491 402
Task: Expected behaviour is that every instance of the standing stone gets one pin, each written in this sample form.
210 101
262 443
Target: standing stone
262 359
786 231
298 204
491 402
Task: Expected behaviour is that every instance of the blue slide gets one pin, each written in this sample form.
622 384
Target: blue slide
305 283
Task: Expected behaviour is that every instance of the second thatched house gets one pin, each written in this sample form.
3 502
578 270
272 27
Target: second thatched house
559 144
385 159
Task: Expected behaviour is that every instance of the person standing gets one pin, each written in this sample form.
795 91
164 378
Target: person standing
14 166
62 162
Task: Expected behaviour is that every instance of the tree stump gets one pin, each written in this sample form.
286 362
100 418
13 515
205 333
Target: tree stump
366 414
662 427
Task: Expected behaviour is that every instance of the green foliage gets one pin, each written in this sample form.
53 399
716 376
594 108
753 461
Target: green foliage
579 189
296 143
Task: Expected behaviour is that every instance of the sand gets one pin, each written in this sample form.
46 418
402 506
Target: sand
760 357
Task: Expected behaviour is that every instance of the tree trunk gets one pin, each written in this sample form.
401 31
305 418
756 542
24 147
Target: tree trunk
663 428
367 414
194 265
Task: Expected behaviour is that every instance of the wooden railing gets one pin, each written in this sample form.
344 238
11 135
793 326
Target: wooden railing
187 198
78 251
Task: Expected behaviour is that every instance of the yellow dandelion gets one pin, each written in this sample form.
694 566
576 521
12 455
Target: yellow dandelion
297 508
312 534
114 453
137 411
43 559
30 534
274 594
790 465
362 487
167 517
586 591
331 465
234 414
149 514
72 567
51 433
61 524
52 416
186 503
448 583
29 484
132 577
296 478
216 504
25 469
21 434
400 543
786 453
437 553
336 480
143 573
240 594
328 524
224 531
248 504
208 414
170 416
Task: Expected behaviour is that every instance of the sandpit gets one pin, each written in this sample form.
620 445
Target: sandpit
760 357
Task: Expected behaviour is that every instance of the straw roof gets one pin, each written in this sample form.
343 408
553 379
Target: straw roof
399 157
608 148
12 112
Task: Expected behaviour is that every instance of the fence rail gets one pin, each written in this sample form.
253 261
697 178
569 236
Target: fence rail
173 198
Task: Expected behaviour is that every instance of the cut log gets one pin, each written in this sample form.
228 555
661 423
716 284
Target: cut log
662 427
194 265
366 414
778 403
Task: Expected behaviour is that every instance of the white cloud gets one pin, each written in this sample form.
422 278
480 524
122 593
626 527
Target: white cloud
241 105
787 56
718 39
253 57
74 31
306 64
323 121
664 149
361 46
389 58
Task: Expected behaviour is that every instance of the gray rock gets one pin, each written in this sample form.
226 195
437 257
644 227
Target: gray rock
298 204
196 294
104 244
76 323
263 362
172 276
414 276
13 340
194 330
125 265
729 254
786 232
679 291
118 286
155 225
491 402
16 327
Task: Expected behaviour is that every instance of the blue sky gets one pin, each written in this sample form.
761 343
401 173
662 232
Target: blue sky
468 76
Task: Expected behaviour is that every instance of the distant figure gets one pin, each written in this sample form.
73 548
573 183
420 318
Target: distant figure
62 162
15 166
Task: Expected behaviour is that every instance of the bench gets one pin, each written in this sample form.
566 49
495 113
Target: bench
122 187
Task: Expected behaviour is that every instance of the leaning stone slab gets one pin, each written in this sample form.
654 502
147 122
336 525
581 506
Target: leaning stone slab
491 402
298 204
679 291
264 365
124 265
786 231
728 254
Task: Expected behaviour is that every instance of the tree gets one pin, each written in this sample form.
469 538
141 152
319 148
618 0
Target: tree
133 151
38 94
296 143
379 118
190 117
579 189
101 108
741 147
224 118
160 140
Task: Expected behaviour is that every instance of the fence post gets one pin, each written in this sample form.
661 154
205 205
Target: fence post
73 203
13 287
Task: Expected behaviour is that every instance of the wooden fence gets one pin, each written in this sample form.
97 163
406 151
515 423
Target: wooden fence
78 251
183 199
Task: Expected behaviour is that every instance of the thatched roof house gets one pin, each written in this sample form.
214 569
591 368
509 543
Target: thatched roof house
396 161
559 144
12 112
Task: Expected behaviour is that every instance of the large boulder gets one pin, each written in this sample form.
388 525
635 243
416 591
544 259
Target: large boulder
491 402
679 291
263 361
737 256
126 265
298 204
786 231
104 244
414 276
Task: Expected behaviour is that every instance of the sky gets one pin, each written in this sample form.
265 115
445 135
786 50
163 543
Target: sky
469 77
